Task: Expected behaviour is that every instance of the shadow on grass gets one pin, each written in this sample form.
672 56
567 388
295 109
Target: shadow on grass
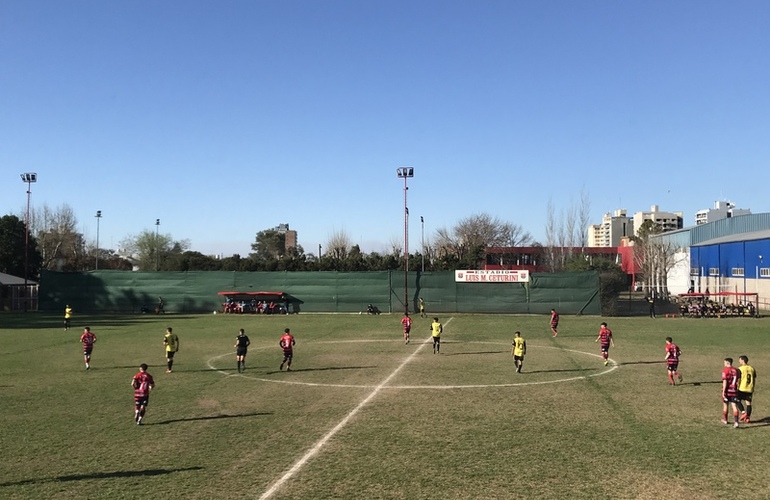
213 417
575 370
325 369
659 362
101 475
475 352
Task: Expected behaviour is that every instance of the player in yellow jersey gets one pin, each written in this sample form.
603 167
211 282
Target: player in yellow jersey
171 342
746 386
435 330
518 351
67 316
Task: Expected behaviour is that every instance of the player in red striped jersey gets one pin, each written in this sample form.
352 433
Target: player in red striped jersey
142 383
287 344
554 322
672 360
406 321
605 336
731 377
88 340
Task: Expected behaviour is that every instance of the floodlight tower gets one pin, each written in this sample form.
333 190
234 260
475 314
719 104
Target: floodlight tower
98 218
29 178
422 242
157 250
405 173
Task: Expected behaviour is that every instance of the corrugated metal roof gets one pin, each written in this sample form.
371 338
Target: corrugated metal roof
7 279
733 238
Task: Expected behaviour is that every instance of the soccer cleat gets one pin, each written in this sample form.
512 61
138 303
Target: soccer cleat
743 417
747 420
606 362
735 425
168 371
724 421
139 422
281 367
681 379
288 368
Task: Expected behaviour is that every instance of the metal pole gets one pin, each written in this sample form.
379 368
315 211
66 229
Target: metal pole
157 250
98 218
422 242
29 178
406 172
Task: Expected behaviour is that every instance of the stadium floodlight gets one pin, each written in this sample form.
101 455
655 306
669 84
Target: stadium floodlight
28 178
405 173
98 218
157 250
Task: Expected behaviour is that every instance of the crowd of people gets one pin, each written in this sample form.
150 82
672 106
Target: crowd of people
255 306
708 308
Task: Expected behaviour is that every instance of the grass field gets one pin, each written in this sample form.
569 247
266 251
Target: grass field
363 416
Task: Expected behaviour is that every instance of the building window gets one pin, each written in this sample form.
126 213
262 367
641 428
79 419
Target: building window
737 271
694 271
764 272
713 271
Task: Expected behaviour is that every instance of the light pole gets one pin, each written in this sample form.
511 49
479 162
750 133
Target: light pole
405 173
157 250
98 218
29 178
422 242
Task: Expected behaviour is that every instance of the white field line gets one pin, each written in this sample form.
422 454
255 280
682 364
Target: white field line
322 442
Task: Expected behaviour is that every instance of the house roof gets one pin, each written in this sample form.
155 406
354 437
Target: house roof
7 279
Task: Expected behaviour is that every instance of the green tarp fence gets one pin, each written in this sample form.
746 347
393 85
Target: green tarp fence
348 292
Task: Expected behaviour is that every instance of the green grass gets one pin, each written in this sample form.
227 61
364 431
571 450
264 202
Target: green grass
457 425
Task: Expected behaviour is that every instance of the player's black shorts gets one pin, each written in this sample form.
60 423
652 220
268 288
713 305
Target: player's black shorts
141 401
407 329
436 340
672 367
518 358
170 354
87 350
730 399
240 351
287 355
605 348
744 396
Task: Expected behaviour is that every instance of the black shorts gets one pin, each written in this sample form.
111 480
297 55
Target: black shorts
287 355
87 350
518 358
240 351
606 348
141 401
745 396
407 329
730 399
672 367
436 340
170 354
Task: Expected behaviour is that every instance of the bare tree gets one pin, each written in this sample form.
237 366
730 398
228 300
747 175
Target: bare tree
61 245
584 217
338 245
566 233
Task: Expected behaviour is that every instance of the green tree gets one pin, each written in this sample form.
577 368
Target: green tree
13 245
270 245
151 249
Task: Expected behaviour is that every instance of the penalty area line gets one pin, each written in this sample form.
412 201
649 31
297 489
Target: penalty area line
322 442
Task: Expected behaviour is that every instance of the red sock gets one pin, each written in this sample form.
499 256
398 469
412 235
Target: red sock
671 378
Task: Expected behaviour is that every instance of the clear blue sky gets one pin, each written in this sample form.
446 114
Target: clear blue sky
225 118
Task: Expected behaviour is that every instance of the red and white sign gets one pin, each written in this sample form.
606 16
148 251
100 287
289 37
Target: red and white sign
492 276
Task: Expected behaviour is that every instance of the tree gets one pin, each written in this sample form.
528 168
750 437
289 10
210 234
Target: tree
465 244
13 247
655 256
62 247
566 233
269 245
151 249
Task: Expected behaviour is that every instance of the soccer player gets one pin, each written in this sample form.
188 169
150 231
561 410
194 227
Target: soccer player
672 360
171 342
406 322
423 314
67 317
142 383
605 336
731 378
287 344
518 351
746 386
242 342
554 322
436 329
88 340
